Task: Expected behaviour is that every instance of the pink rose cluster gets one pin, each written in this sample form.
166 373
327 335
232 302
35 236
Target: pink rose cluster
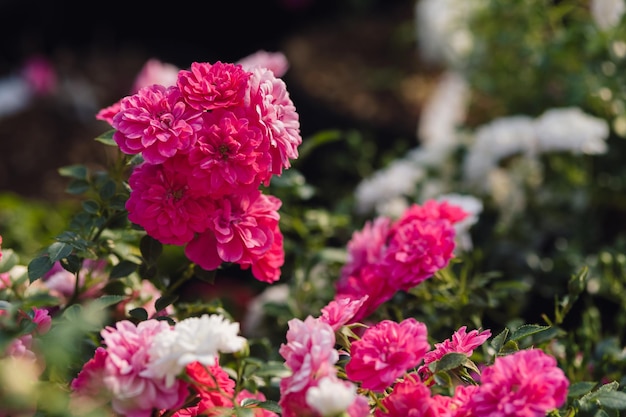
387 256
208 143
391 361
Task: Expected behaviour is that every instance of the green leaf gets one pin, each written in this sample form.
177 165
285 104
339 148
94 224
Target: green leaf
91 206
150 249
450 361
139 313
59 250
107 191
38 267
580 388
162 302
108 300
615 400
107 138
78 172
266 405
71 263
498 341
123 269
77 187
318 139
527 330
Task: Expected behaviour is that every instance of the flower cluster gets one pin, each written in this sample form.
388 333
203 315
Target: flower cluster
207 145
153 365
387 255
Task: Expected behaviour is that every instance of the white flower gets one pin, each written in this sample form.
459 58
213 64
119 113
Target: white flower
607 13
496 140
569 129
331 396
443 36
193 339
397 179
444 111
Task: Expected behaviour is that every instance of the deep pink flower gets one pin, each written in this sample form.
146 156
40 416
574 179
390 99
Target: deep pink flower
527 383
214 387
157 123
267 267
433 210
40 75
386 351
409 398
118 371
341 311
162 202
208 86
107 114
42 319
367 246
230 156
417 250
460 342
241 230
269 97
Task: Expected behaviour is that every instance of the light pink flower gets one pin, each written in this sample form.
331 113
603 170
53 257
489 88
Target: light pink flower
162 202
309 352
460 342
119 369
386 351
409 398
208 86
241 230
157 123
341 311
269 97
230 156
527 383
273 61
155 71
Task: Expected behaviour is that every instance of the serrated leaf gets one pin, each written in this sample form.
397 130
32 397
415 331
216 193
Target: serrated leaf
450 361
162 302
527 330
139 313
580 388
59 250
107 138
38 267
123 269
78 172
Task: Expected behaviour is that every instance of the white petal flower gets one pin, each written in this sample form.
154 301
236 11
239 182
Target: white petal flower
331 396
607 13
194 339
570 129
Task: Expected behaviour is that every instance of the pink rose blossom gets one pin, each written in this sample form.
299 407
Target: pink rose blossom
273 61
156 123
386 351
267 267
409 398
208 86
460 342
241 230
215 388
527 383
309 352
341 311
162 202
40 75
155 71
107 114
116 372
230 156
269 97
367 246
